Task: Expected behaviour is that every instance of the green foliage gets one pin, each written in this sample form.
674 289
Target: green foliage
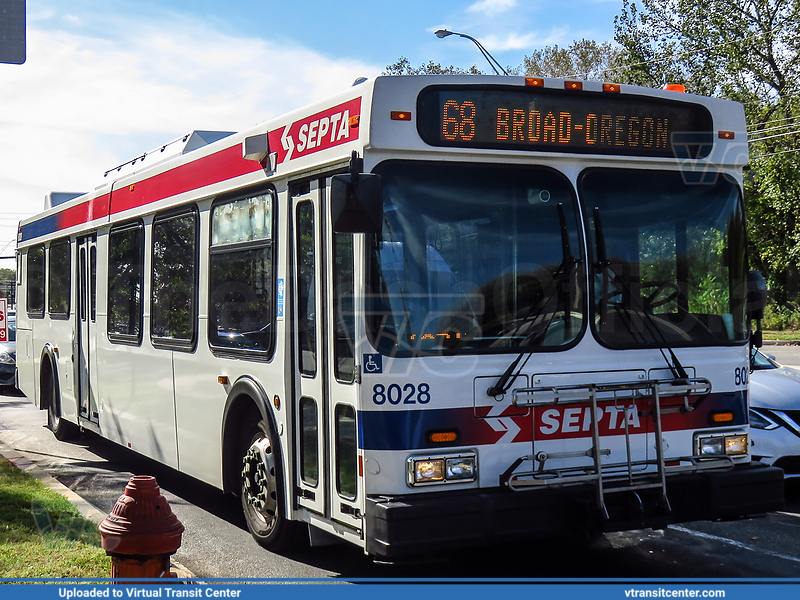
743 50
583 59
781 318
403 67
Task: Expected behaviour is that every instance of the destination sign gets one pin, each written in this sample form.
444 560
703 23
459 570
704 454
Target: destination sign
562 121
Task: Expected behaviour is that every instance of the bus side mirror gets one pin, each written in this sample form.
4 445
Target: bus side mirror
756 296
356 203
756 303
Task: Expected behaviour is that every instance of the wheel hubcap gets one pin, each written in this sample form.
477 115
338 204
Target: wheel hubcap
258 482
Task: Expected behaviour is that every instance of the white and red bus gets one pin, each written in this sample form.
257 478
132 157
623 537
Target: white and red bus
428 312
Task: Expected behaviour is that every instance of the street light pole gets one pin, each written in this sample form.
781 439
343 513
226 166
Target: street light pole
443 33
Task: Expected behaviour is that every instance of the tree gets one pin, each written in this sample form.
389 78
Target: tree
583 59
403 67
748 51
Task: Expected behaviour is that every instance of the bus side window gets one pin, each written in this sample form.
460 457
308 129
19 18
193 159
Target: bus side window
346 451
344 316
35 297
306 289
58 280
174 308
125 283
240 280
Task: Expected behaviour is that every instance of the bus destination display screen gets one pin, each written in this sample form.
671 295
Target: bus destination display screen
562 121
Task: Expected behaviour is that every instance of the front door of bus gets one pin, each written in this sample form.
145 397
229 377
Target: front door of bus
86 326
325 421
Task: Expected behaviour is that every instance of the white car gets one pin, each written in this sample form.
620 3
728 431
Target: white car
8 353
775 414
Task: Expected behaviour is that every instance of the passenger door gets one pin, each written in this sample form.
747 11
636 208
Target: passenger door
325 394
86 336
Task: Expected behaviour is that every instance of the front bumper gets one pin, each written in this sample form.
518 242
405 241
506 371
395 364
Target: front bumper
430 522
7 374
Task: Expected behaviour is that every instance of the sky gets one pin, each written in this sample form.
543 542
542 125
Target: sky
106 80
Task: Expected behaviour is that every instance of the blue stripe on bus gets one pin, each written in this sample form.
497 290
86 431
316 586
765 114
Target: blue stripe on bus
408 429
40 227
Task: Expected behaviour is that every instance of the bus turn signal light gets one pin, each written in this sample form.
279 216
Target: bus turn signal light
443 437
721 417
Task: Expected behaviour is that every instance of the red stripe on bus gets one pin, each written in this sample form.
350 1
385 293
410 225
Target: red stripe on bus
214 168
84 212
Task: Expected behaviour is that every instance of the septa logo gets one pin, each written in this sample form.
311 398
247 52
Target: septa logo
316 132
576 421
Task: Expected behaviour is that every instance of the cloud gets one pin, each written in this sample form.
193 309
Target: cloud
526 42
492 7
82 104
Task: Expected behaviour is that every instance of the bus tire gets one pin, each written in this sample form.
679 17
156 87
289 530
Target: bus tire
262 487
61 428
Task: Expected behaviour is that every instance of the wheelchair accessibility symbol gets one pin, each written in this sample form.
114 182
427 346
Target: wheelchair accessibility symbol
373 363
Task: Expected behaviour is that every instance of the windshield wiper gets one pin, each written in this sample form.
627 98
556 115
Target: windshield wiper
602 267
561 279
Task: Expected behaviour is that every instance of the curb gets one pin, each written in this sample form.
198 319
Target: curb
87 510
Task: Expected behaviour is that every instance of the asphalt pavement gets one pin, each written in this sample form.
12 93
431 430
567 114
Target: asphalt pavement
216 543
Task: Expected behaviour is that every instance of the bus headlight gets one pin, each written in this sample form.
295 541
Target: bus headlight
734 444
426 470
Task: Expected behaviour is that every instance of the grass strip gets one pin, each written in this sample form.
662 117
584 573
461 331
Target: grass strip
42 535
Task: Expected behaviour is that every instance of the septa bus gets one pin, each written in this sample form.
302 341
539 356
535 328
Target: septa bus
429 312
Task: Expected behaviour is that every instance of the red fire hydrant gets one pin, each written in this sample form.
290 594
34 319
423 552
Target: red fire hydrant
141 533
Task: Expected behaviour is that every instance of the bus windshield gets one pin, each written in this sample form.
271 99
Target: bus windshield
475 258
674 270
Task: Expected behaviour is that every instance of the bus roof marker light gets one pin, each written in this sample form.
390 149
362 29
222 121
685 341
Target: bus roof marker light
674 87
573 85
613 88
401 115
355 121
534 81
726 135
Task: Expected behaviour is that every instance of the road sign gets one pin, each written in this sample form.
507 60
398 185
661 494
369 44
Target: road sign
12 32
3 321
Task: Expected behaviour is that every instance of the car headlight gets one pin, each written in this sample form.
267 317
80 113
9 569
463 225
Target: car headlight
427 470
728 444
7 358
761 420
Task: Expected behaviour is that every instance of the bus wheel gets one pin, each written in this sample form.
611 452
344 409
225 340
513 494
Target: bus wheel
262 491
61 428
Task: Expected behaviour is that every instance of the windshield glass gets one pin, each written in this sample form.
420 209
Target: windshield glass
674 266
474 258
761 362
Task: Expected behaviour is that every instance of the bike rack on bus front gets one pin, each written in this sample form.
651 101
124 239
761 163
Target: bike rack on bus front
615 477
